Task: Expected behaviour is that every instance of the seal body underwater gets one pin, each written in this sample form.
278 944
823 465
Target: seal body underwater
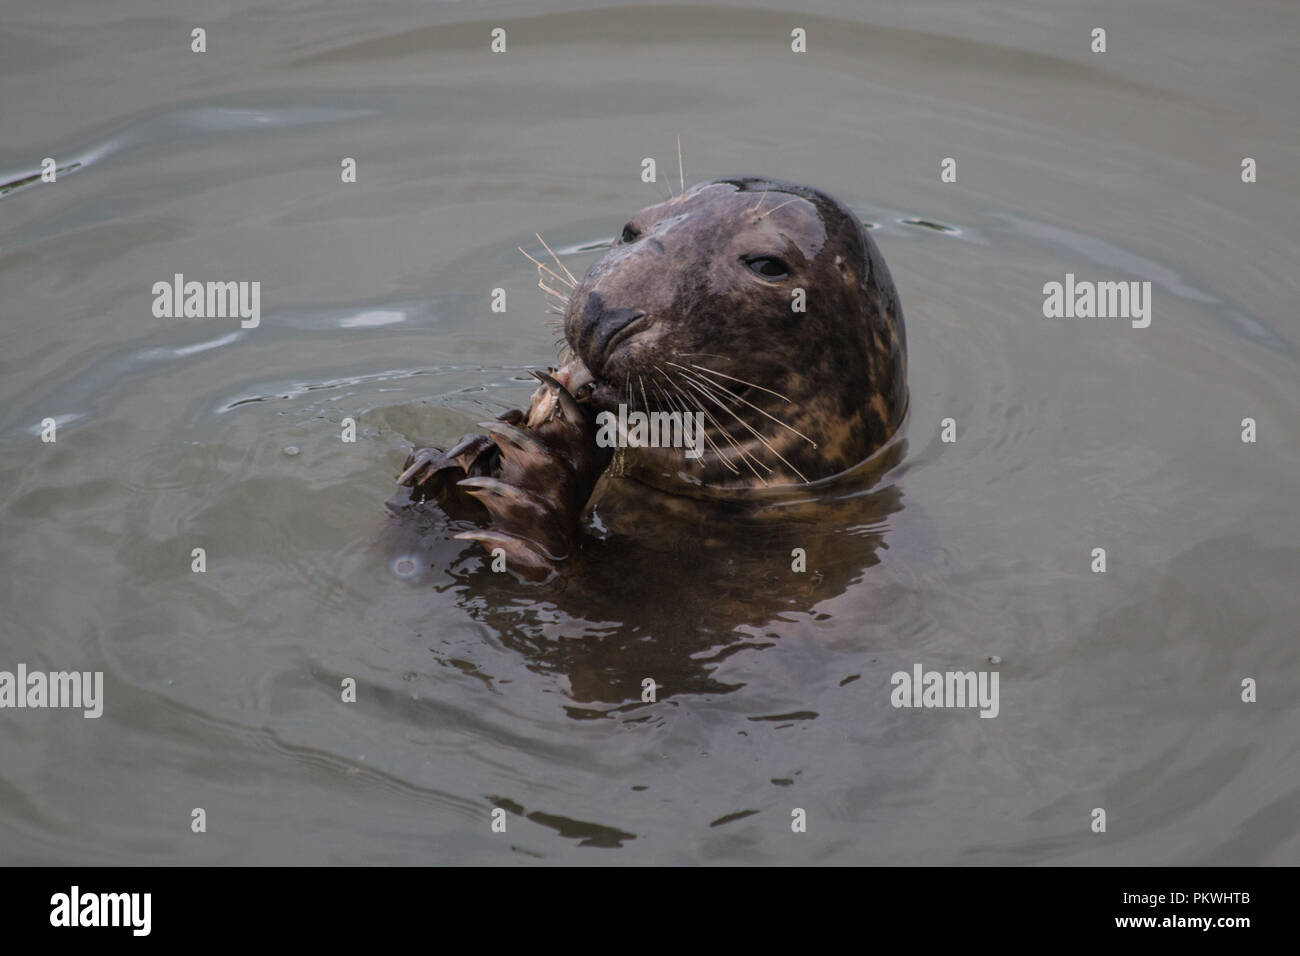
763 308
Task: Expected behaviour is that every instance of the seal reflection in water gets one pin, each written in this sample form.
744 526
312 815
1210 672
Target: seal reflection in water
762 306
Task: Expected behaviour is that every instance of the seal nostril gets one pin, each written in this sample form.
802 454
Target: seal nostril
591 312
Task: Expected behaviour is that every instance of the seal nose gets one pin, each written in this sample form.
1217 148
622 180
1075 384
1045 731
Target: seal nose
600 327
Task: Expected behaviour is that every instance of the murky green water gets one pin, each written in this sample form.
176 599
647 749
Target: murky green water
222 689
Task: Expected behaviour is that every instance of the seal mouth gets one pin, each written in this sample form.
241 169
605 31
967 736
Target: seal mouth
616 340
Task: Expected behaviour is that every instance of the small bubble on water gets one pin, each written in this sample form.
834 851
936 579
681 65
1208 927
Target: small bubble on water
405 566
291 450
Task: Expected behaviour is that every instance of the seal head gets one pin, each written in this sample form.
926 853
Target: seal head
765 306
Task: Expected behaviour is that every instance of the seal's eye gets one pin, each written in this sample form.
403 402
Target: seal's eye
630 233
769 267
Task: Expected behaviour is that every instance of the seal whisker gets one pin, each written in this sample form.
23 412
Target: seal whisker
775 208
725 358
573 281
745 456
750 428
666 402
681 174
755 408
673 404
541 284
690 401
734 379
543 266
645 401
655 184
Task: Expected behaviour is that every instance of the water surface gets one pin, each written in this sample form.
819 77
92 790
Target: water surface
1118 690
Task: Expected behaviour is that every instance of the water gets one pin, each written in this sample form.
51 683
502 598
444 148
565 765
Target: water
1118 690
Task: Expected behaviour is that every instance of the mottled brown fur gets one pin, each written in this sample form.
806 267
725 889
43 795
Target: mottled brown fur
842 363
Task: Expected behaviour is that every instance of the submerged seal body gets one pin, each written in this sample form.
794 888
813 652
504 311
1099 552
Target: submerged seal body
762 307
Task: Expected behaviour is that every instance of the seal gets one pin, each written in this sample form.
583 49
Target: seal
762 306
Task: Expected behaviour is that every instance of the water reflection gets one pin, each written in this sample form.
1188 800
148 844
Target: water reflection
671 586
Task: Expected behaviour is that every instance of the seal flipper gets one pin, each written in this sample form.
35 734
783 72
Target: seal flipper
533 473
473 454
527 560
431 473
